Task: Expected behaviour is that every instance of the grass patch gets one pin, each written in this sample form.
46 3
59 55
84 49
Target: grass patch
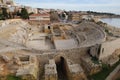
12 77
106 70
108 32
95 60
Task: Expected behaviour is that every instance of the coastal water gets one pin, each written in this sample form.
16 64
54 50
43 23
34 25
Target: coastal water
112 21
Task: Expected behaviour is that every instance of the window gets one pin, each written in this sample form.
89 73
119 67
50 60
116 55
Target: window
48 27
99 50
102 50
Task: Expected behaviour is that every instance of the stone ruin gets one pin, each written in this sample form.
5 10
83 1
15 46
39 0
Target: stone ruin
23 65
64 70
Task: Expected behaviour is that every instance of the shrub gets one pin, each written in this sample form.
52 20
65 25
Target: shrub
12 77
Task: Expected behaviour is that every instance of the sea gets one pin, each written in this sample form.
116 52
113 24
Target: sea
112 21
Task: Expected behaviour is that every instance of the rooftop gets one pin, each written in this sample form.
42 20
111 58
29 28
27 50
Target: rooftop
40 14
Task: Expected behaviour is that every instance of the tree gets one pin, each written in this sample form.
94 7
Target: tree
2 17
10 15
24 14
18 13
4 12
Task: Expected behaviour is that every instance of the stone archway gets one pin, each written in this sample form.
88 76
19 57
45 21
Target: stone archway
61 66
57 58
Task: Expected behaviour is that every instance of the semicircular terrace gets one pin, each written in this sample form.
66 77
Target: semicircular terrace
89 33
58 36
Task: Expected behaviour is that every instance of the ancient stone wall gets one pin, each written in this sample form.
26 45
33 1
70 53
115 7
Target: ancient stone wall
108 48
72 54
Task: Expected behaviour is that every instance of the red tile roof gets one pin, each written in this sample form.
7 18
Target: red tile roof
41 14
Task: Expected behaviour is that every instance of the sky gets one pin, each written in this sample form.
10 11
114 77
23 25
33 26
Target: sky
112 6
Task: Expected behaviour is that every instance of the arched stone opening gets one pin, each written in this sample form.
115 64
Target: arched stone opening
48 27
61 67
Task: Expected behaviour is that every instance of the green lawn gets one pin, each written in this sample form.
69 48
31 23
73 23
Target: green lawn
10 77
105 72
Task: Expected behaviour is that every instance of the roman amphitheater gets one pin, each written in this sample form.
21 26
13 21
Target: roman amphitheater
56 36
59 51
